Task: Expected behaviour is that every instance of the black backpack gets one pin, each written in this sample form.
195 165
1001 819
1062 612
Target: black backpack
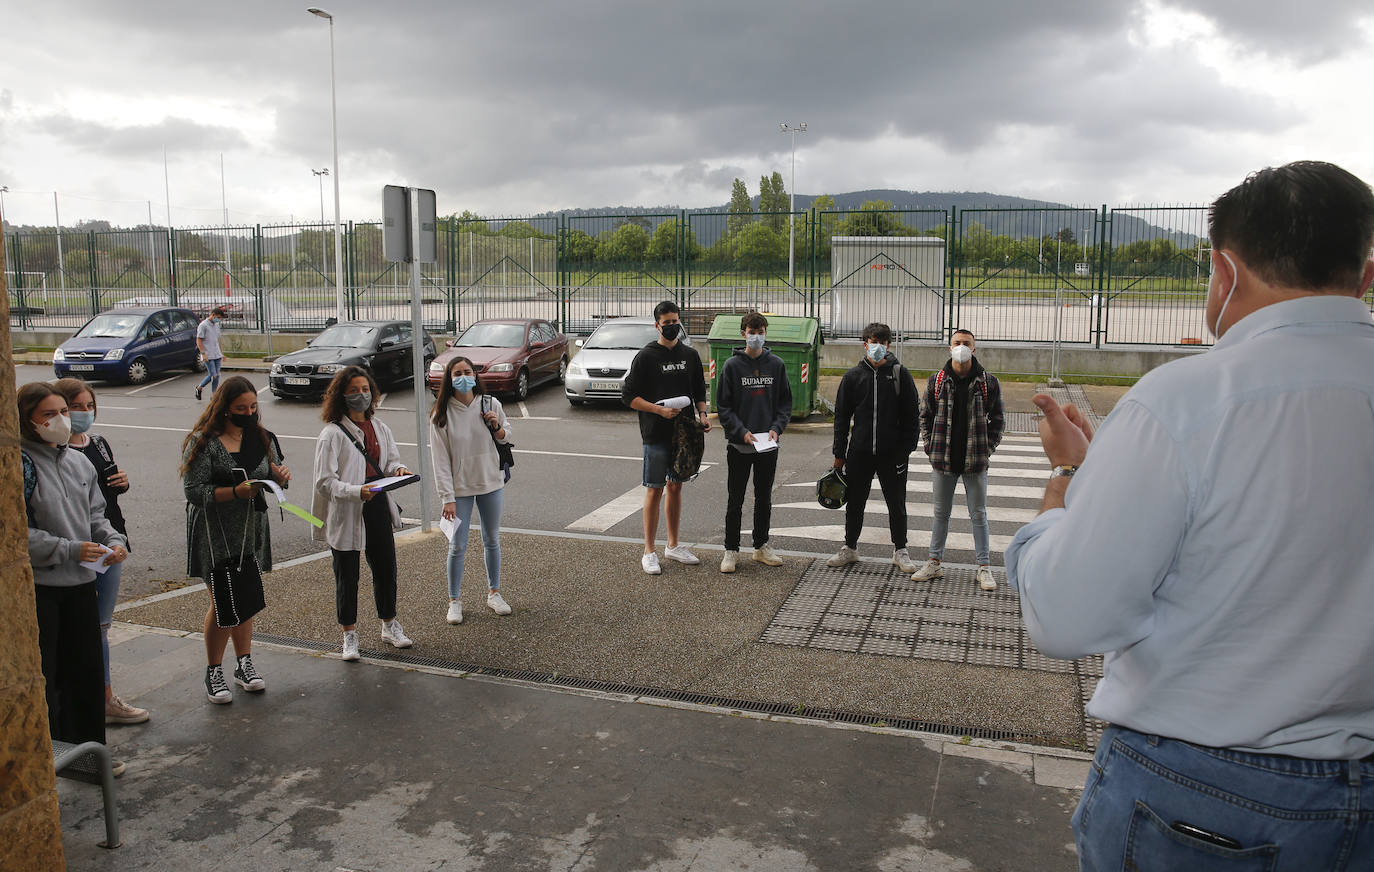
688 445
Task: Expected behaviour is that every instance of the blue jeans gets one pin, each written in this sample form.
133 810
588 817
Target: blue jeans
212 373
976 494
106 598
656 457
489 507
1157 803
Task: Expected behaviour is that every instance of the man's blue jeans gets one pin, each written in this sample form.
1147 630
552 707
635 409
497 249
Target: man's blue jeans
212 367
976 494
1156 803
489 507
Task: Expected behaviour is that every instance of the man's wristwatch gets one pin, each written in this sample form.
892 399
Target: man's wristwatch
1063 471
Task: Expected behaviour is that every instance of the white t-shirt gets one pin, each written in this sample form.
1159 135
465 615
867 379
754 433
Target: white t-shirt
208 334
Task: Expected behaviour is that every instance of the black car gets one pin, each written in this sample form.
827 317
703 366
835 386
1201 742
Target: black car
384 347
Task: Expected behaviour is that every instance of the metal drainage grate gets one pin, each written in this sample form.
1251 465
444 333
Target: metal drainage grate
634 690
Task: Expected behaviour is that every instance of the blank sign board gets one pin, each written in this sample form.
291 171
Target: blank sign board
396 231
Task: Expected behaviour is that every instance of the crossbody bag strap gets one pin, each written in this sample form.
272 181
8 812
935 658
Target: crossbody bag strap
492 430
361 450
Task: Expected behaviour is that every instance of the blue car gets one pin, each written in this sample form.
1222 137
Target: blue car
130 344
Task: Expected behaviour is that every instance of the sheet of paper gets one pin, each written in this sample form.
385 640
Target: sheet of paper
763 442
448 528
280 494
98 565
392 481
676 402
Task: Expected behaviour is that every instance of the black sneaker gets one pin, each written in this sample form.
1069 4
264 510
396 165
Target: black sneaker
216 688
197 391
246 677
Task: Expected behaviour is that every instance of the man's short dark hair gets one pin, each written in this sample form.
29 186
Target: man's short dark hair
1306 225
664 308
218 310
877 332
753 321
968 333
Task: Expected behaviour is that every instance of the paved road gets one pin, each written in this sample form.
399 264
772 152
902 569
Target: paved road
578 472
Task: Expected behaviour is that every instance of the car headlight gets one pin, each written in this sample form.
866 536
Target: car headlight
577 370
436 368
115 354
501 367
58 355
276 369
328 368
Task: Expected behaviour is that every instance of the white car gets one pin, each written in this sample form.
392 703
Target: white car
598 371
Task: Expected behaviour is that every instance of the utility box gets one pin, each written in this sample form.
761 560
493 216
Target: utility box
797 341
898 280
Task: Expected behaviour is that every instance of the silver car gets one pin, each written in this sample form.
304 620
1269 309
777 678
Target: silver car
598 371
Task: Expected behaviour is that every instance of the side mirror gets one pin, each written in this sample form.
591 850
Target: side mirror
387 343
579 343
448 343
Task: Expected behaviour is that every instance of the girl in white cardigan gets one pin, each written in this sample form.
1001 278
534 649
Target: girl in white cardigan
467 471
353 449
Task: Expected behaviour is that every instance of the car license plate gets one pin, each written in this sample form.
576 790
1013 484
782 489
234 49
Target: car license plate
82 367
297 382
605 386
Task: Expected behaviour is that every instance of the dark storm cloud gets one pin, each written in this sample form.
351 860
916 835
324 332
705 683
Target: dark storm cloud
141 140
1307 32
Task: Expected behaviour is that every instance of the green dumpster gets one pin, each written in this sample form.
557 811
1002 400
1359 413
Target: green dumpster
796 340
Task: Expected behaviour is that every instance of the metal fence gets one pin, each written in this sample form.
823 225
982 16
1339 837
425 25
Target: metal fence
1083 276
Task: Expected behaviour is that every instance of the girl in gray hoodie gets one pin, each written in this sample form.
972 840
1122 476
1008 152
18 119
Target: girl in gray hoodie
67 527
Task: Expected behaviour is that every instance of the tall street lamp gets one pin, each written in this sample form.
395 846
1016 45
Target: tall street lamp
321 174
3 189
792 187
338 224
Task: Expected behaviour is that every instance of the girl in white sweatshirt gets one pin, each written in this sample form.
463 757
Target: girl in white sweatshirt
467 469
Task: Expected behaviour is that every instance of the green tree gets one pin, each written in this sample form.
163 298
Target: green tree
760 250
741 210
466 222
625 244
874 218
773 198
522 230
579 247
663 244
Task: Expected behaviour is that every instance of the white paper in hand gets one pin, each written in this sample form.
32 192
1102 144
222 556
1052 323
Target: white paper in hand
98 564
763 442
448 528
676 402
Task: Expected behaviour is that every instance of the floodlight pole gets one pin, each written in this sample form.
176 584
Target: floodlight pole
321 174
338 223
792 209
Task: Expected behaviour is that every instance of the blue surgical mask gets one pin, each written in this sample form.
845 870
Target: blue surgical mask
82 421
754 340
464 384
876 352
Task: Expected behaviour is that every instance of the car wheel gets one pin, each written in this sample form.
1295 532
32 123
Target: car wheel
522 384
563 370
198 363
138 372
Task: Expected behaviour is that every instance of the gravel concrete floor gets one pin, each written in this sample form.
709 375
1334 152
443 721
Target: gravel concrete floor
583 609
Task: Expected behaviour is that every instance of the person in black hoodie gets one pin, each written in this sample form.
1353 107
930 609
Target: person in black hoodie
664 370
877 415
754 397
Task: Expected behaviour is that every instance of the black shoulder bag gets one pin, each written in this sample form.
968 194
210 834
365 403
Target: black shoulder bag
236 589
505 456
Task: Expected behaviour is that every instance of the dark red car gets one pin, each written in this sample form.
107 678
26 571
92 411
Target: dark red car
509 354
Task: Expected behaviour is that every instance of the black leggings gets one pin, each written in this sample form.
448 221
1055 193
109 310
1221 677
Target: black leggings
380 545
73 667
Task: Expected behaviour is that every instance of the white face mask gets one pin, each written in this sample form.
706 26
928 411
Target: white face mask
876 352
1235 275
57 430
754 340
961 354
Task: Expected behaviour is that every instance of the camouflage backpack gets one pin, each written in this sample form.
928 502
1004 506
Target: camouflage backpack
688 445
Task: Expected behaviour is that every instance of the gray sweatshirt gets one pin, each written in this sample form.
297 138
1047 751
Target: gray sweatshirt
66 509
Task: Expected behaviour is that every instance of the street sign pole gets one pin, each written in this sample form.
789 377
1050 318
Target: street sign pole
408 234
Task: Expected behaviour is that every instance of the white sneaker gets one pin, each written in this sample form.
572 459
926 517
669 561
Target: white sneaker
985 579
650 563
767 556
902 560
497 603
392 632
930 570
350 646
681 555
843 557
455 612
728 561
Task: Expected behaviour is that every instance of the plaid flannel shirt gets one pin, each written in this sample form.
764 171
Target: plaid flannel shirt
986 420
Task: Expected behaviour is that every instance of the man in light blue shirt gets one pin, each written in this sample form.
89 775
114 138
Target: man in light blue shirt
1215 542
207 340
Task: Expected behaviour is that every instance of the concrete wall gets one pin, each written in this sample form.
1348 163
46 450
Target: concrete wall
30 829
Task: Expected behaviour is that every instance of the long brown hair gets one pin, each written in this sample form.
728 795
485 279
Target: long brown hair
211 422
439 413
29 396
333 409
71 388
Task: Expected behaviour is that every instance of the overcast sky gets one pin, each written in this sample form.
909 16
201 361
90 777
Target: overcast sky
520 107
